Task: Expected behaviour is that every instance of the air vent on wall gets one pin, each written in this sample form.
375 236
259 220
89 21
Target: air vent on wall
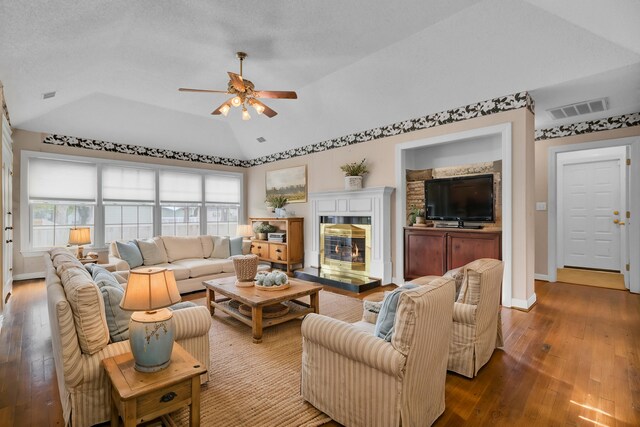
261 139
579 108
48 95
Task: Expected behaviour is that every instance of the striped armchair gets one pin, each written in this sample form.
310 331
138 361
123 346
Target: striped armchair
79 342
477 326
361 380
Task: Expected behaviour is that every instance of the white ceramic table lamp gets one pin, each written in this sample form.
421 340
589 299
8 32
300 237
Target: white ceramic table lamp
151 329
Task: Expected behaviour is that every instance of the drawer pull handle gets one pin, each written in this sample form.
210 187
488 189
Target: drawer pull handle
278 250
168 397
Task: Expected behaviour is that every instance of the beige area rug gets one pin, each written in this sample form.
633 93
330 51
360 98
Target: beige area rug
259 384
600 279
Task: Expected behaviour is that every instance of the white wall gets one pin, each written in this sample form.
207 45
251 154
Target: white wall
474 150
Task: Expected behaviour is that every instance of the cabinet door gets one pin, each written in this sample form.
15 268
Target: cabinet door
467 247
277 252
424 254
261 249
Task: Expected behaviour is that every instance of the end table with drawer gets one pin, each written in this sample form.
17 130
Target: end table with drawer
138 397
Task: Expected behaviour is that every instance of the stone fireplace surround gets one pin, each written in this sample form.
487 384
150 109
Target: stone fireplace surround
372 202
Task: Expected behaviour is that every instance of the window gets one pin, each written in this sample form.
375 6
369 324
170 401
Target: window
61 194
128 196
181 201
222 198
122 200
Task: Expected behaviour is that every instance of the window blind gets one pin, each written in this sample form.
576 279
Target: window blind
221 189
122 184
63 180
177 187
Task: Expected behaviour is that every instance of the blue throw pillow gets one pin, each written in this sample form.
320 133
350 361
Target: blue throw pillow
130 252
112 293
182 304
387 315
235 246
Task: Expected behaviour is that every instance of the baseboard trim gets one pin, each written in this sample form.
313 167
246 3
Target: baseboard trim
28 276
524 305
544 277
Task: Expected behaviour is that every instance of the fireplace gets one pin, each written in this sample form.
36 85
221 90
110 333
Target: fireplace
346 247
355 266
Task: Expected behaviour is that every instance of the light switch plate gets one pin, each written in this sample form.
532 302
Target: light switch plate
541 206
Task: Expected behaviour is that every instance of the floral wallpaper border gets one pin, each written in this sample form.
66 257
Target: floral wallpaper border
483 108
616 122
92 144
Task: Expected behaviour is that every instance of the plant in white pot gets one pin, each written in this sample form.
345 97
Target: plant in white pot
353 173
278 202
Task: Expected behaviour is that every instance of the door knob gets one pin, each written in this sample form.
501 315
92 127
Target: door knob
616 212
621 223
616 221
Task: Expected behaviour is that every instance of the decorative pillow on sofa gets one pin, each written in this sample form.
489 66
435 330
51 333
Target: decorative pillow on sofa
87 307
182 247
221 248
152 251
130 252
112 293
235 246
387 315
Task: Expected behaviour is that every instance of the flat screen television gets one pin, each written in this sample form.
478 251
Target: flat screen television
466 198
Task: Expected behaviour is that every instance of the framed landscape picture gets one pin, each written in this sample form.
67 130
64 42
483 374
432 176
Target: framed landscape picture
289 182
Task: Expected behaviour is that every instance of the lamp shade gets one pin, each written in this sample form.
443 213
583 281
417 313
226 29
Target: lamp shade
244 230
150 289
80 236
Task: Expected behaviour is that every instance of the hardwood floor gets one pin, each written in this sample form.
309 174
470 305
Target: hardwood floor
574 359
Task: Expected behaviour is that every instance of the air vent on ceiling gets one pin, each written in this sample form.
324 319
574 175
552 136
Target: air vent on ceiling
48 95
579 108
261 139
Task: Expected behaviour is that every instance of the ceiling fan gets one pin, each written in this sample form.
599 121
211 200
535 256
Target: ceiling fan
244 92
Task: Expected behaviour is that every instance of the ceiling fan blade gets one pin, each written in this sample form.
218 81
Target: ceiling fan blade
236 81
267 111
284 94
217 110
186 89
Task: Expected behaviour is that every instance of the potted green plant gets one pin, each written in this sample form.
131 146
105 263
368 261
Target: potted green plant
353 173
278 202
262 229
416 215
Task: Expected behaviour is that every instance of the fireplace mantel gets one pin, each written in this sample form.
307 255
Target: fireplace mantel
373 202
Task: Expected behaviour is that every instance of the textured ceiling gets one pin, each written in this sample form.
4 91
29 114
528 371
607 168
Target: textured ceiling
116 65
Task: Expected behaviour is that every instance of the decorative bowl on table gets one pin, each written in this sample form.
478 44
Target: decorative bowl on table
274 281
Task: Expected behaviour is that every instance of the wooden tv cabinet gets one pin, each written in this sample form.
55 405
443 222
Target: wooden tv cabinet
434 251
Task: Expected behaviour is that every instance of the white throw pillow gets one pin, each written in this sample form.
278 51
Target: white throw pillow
153 251
221 248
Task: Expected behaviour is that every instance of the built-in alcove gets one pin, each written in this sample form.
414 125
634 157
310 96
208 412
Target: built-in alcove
483 145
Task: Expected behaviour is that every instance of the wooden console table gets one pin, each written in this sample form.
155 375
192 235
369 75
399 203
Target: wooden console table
434 251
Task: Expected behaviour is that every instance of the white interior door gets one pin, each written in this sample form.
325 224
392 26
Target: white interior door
592 204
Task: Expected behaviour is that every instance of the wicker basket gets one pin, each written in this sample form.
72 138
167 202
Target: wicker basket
246 267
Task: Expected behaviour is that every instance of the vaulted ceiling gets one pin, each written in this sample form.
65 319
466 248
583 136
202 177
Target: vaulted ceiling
116 65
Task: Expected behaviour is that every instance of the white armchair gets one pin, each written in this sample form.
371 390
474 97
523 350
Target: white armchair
361 380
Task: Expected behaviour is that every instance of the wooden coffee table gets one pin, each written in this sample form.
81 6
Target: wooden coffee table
257 299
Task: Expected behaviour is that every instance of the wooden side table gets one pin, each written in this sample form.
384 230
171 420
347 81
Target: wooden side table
139 397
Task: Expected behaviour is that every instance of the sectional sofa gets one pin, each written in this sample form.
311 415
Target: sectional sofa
80 337
193 259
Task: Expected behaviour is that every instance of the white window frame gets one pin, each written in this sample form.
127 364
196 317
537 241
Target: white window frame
26 248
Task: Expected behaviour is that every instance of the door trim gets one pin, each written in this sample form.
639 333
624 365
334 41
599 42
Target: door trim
618 153
633 228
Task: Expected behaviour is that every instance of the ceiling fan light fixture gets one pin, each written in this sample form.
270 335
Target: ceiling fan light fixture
245 113
236 101
259 108
225 109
